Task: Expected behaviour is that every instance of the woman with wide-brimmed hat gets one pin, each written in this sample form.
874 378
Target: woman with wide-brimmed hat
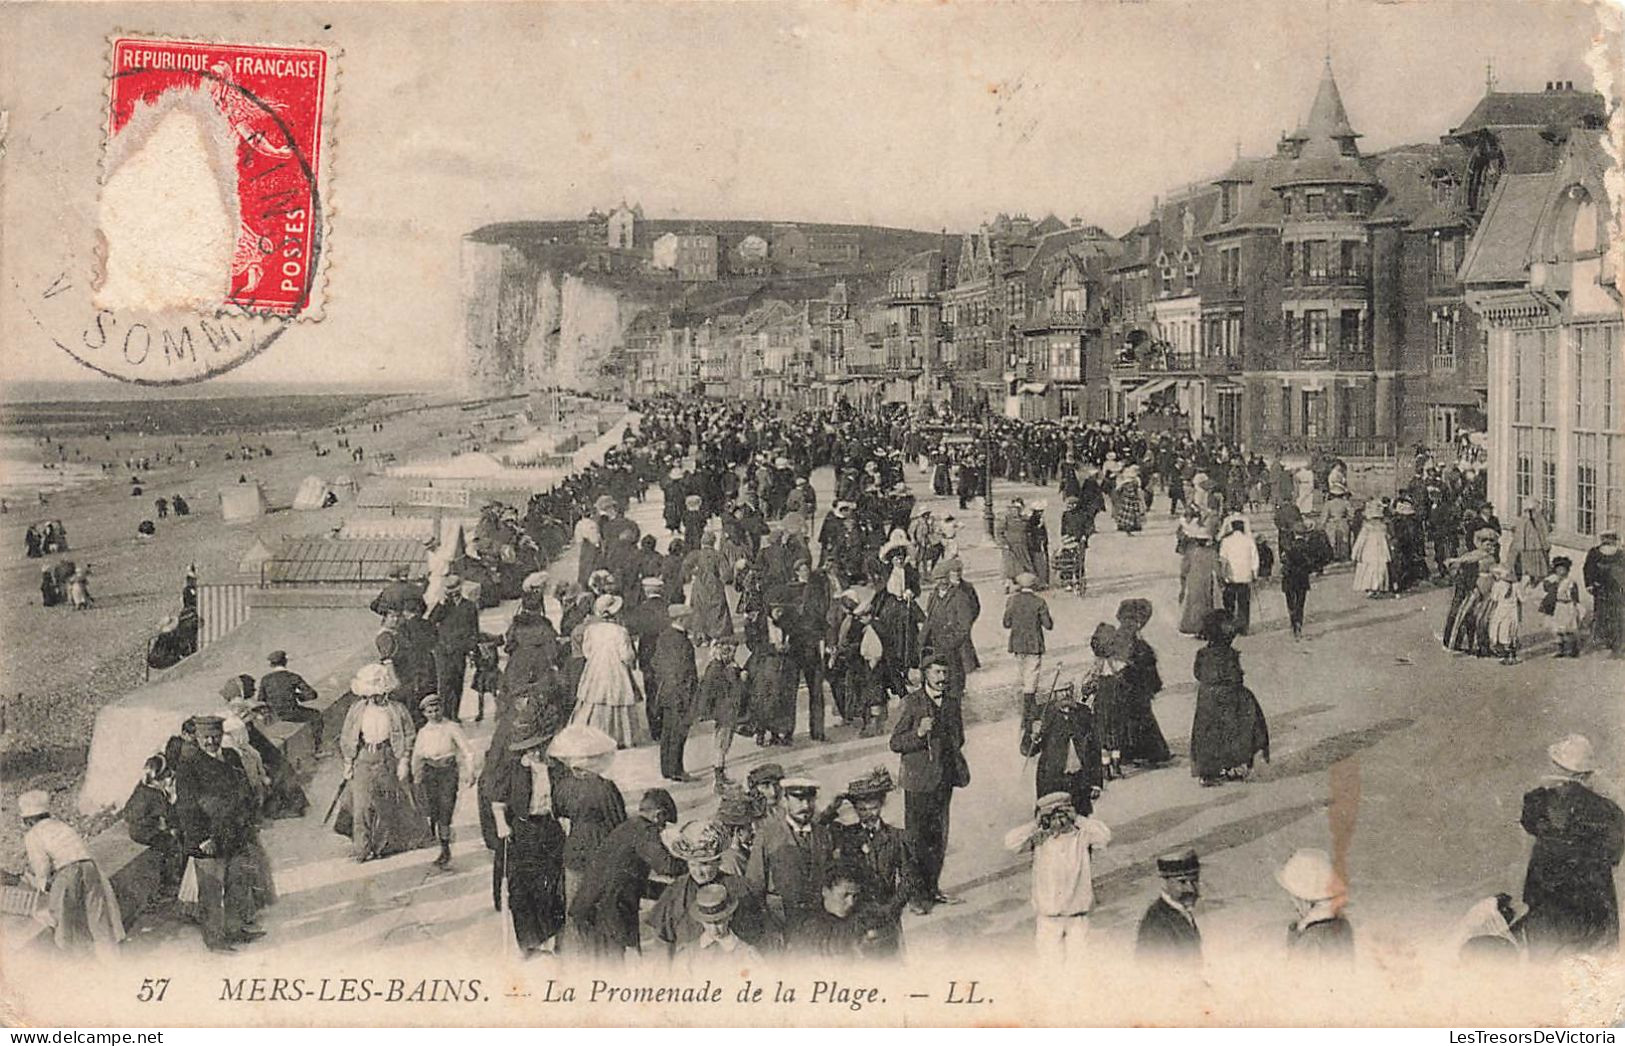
376 743
1579 839
532 838
591 803
1320 933
607 694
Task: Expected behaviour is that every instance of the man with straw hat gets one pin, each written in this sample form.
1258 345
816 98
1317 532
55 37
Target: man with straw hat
441 761
699 845
457 632
1579 839
713 910
1320 933
1168 931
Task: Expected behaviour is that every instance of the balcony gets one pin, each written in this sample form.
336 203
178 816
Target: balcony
1069 319
1178 363
1319 280
1337 446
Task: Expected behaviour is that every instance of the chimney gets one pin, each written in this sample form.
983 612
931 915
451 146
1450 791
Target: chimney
1549 87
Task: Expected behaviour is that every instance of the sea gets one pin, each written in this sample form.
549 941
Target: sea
94 406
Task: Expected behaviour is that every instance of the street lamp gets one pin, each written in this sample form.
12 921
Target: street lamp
987 469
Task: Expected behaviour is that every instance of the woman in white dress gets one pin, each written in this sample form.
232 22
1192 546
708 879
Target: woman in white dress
607 695
1371 554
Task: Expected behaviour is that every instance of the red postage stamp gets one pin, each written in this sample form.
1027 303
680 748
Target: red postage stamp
245 124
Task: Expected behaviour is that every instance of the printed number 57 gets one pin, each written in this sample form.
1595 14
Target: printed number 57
152 989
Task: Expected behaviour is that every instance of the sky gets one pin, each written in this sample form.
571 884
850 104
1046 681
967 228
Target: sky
930 115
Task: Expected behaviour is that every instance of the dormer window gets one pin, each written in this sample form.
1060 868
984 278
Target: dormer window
1444 190
1314 201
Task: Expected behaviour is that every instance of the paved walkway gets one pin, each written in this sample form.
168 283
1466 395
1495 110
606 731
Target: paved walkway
1421 757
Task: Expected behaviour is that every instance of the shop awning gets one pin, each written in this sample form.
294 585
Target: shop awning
1034 388
1150 387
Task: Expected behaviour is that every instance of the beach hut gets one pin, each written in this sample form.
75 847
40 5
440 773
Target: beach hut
311 495
258 554
242 502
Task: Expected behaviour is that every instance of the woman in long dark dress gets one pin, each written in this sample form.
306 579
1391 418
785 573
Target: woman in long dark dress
591 803
1229 730
1138 683
531 839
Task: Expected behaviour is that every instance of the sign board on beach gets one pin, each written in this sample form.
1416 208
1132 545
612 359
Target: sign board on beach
437 497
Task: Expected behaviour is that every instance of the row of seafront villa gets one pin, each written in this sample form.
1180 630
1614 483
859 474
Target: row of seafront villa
1314 298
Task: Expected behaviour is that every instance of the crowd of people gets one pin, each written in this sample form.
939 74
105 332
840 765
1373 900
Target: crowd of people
761 596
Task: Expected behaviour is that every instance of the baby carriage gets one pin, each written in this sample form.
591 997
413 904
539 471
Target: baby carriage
1068 562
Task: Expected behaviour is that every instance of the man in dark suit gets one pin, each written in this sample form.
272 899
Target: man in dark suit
784 867
214 809
605 908
930 736
676 681
457 631
948 617
646 621
1168 932
286 692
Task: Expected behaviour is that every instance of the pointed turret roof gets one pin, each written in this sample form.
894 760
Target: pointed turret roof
1325 151
1328 120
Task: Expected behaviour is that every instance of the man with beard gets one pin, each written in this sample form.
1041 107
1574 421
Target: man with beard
948 617
930 736
784 863
214 808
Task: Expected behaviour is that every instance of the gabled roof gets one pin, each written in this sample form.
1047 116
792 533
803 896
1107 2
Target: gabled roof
1049 225
1498 109
1501 248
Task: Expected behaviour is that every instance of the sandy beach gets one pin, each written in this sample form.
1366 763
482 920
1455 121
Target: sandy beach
57 667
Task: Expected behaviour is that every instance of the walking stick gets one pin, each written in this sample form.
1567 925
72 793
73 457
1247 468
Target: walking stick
510 936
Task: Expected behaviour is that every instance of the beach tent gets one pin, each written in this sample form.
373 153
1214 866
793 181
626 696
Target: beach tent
242 502
312 492
258 554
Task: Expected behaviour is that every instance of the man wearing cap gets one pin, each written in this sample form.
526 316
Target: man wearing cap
214 808
1579 839
738 814
1027 617
457 632
676 676
1061 842
616 880
765 782
948 617
887 879
441 761
1168 930
398 595
784 862
82 911
286 691
722 698
930 735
